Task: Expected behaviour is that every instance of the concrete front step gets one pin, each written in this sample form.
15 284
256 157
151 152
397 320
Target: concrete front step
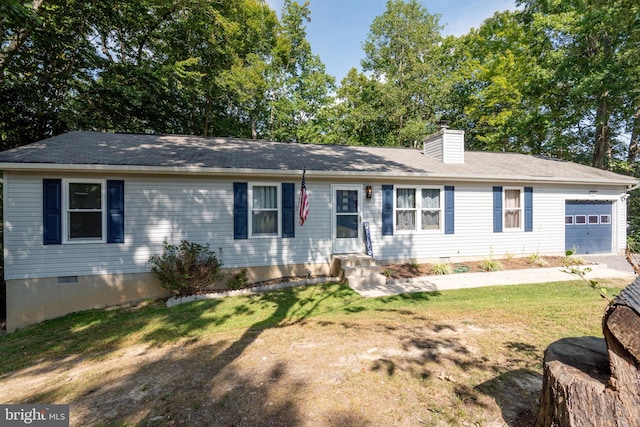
358 270
355 260
363 270
372 280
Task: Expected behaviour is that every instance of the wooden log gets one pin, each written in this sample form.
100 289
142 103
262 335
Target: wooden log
622 333
591 381
576 373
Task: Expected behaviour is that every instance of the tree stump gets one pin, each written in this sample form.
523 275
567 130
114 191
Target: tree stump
591 381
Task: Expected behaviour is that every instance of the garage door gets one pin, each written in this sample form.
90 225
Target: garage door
588 228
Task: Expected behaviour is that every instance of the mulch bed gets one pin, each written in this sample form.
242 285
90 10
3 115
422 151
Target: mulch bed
407 270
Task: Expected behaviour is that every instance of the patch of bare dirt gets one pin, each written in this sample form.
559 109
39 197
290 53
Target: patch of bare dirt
406 372
408 270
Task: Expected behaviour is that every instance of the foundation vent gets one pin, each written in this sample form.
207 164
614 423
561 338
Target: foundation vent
67 279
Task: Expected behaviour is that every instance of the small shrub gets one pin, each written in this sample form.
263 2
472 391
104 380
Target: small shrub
570 261
238 280
536 259
441 268
387 272
490 264
414 264
188 268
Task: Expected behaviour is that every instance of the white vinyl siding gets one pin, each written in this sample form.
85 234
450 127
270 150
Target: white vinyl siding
157 209
200 209
474 237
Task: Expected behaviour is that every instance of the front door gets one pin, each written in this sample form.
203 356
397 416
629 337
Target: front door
347 235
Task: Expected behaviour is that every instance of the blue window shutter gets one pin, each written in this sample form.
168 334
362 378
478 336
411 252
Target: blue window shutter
288 210
115 211
449 226
528 208
497 209
240 211
52 211
387 210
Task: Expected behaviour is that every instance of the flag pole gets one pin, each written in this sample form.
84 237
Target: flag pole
303 210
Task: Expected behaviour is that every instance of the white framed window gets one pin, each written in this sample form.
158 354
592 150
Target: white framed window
84 210
431 209
264 218
418 209
513 208
405 209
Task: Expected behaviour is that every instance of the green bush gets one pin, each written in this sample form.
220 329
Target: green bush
570 261
188 268
238 280
441 268
536 259
490 264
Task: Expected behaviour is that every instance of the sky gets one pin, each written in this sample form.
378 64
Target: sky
338 28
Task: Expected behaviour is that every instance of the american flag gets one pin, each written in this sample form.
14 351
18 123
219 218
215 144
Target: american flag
304 201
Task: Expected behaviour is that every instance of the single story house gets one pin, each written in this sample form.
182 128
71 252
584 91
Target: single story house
84 211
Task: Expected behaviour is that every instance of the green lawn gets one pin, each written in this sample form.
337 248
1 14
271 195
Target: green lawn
550 310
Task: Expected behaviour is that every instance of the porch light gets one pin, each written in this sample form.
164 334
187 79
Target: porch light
368 192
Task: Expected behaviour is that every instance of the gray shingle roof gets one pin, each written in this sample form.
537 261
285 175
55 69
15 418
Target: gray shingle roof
131 151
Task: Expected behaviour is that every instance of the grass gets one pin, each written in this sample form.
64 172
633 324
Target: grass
316 355
559 306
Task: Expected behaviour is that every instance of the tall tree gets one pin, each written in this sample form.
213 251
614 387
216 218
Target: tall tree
173 66
51 58
164 61
493 97
590 50
299 88
17 21
403 52
359 116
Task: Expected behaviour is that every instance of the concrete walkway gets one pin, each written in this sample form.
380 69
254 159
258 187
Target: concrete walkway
498 278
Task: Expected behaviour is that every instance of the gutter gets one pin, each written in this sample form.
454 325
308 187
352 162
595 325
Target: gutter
633 186
630 184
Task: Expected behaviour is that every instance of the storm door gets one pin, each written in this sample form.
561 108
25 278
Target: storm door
347 205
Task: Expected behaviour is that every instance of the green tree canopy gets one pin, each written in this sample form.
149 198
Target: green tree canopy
400 96
161 66
589 52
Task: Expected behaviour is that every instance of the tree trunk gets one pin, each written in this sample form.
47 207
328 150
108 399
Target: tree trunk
590 383
574 383
635 139
602 144
254 132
